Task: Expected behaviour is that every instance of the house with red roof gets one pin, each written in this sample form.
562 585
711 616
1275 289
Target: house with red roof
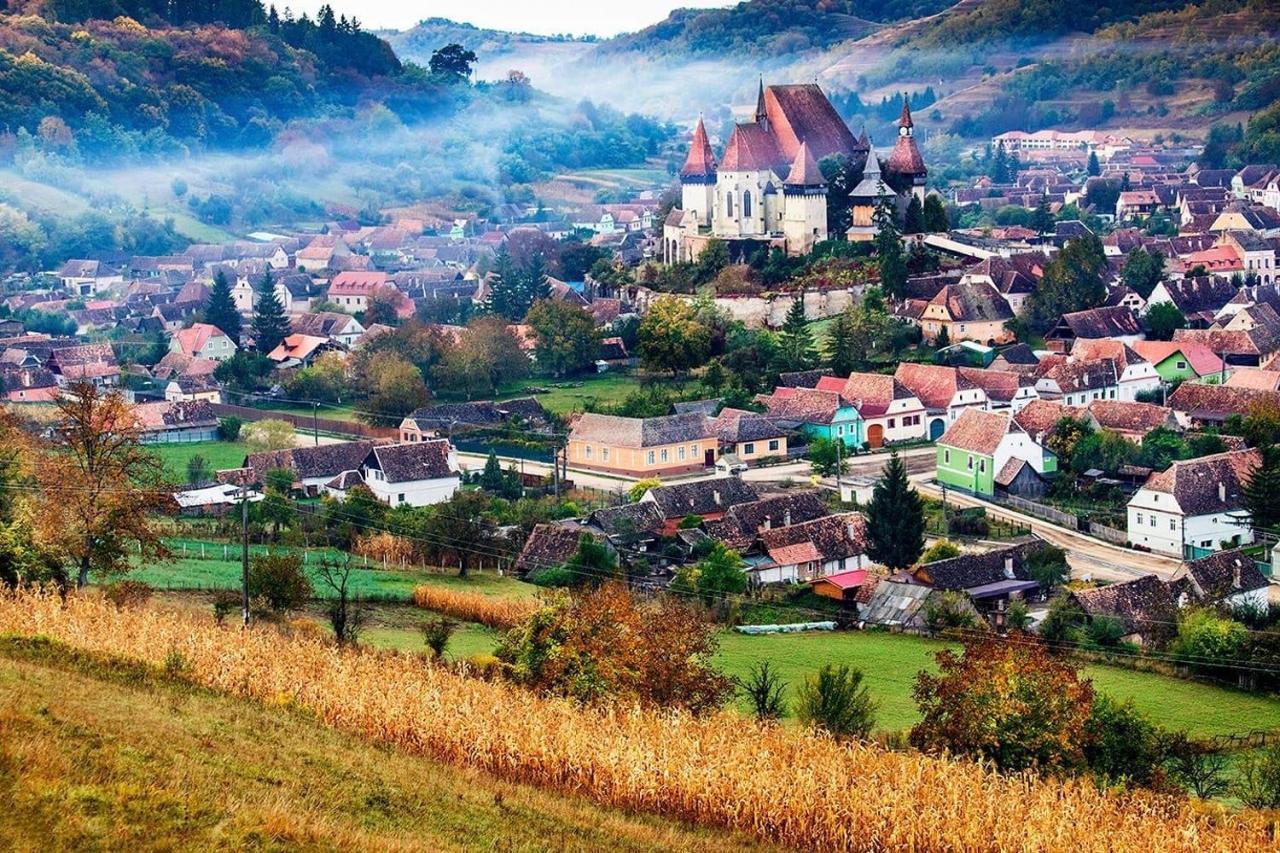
943 392
890 411
984 451
201 340
1194 507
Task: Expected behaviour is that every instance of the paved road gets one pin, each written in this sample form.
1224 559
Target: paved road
1088 557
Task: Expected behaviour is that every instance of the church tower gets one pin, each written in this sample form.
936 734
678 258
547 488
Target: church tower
865 198
905 159
698 178
804 202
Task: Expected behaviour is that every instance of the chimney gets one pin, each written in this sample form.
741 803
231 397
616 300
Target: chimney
786 518
1222 492
1236 581
768 523
715 495
1008 566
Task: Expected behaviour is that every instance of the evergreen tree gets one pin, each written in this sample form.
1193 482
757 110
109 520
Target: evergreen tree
895 518
935 215
1041 217
221 310
533 284
840 344
1000 166
270 323
1095 168
1262 490
913 220
504 282
888 243
491 478
795 341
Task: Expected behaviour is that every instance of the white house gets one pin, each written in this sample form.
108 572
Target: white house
202 340
415 474
1077 383
800 553
1134 374
1231 578
943 391
1194 507
889 410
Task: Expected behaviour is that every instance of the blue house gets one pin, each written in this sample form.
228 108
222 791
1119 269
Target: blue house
817 414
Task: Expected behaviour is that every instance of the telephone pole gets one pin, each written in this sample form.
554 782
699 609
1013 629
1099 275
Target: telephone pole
244 552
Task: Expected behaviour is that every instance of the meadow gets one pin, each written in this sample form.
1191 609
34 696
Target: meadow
218 456
719 770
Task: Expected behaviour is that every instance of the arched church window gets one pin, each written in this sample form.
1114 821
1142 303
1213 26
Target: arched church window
746 204
728 205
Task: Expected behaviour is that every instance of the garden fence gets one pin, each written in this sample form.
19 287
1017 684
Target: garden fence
1040 510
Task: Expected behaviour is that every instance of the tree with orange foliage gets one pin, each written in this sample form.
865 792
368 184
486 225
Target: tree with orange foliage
605 645
99 487
1008 701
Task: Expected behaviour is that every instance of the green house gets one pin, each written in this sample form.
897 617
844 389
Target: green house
983 451
1181 361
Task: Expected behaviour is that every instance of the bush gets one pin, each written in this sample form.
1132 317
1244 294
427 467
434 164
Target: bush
436 634
764 688
1204 636
225 602
1258 779
949 611
940 550
279 582
229 428
1123 744
968 524
552 577
269 434
835 701
128 593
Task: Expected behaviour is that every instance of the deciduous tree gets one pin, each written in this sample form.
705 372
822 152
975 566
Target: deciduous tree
672 338
566 338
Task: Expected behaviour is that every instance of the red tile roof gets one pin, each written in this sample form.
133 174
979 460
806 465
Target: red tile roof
701 162
804 170
977 431
751 148
802 113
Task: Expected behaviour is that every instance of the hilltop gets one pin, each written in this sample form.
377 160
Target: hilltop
497 51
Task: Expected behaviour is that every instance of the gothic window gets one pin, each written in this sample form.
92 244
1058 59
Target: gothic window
728 205
746 204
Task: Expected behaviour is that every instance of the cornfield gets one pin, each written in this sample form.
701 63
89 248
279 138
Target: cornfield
495 612
792 788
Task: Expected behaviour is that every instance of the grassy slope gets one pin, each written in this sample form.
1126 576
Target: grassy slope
93 757
218 455
604 389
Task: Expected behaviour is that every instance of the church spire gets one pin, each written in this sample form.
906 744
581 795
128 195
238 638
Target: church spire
700 165
905 124
805 171
762 115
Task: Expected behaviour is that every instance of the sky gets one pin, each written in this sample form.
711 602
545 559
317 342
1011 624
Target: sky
545 17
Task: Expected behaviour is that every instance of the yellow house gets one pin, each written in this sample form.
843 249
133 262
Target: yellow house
974 311
643 447
749 437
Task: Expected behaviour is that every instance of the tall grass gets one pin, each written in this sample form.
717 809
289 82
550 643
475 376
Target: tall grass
797 789
490 610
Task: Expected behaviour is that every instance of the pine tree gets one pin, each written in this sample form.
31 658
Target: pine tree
504 281
795 341
221 310
1095 168
913 219
895 518
270 323
840 344
1000 166
888 242
1041 217
935 216
1262 491
533 284
491 478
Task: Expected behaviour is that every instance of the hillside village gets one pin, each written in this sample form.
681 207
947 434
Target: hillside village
803 409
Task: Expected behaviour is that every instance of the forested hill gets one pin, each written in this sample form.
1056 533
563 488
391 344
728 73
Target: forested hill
767 27
121 77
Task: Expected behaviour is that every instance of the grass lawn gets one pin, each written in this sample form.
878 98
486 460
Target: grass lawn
218 455
96 756
193 572
562 398
890 663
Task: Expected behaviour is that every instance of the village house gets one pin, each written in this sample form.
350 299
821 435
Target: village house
1076 383
980 445
709 500
300 350
445 418
176 422
990 579
890 412
339 328
1226 578
323 252
943 392
806 551
967 312
1130 420
1145 607
202 340
94 363
352 290
743 524
1039 417
1198 404
1199 298
550 544
1194 507
1252 347
1116 322
1005 390
312 467
817 414
643 447
1134 374
87 277
417 474
1179 361
748 437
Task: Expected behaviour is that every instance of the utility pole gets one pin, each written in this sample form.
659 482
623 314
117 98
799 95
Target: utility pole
315 423
839 465
244 552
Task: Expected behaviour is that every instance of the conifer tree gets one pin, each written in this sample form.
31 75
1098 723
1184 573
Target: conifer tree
533 284
221 310
491 478
1041 217
1262 490
504 282
888 243
913 219
270 323
795 341
935 216
840 344
895 518
1095 168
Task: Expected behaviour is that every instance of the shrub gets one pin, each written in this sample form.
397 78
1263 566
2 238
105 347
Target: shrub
278 581
940 550
764 688
1124 745
229 428
436 633
552 577
968 524
1258 778
127 593
949 611
835 701
1204 637
225 602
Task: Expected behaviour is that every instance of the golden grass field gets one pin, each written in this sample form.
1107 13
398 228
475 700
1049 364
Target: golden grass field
781 786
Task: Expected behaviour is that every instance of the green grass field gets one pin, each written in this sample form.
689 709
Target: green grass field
218 455
98 756
602 389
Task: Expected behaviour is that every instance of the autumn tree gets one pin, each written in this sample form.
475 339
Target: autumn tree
270 323
483 357
383 307
1009 702
221 310
605 645
100 489
566 338
895 518
395 389
1072 281
672 338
